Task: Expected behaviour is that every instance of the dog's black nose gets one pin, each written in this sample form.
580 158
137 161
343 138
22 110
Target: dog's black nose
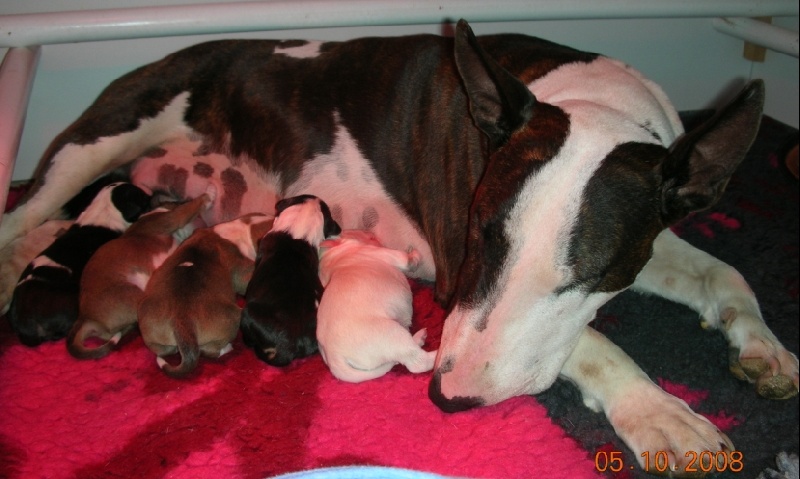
453 404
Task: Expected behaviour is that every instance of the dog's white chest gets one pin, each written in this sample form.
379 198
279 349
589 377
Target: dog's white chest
346 181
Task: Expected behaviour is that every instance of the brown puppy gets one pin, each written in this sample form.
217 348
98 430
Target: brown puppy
189 305
115 277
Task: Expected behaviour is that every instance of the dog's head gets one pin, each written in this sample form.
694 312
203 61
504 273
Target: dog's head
305 217
574 193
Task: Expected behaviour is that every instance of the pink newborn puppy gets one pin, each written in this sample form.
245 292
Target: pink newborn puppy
364 316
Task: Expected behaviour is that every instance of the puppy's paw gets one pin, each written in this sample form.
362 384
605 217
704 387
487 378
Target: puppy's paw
421 362
420 337
414 259
665 435
225 350
211 194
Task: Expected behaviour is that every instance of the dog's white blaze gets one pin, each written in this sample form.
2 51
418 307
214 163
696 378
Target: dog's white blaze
309 50
346 181
238 233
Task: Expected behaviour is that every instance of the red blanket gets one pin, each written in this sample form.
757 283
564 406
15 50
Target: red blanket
240 418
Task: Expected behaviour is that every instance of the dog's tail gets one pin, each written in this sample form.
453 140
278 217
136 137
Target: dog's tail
86 330
188 350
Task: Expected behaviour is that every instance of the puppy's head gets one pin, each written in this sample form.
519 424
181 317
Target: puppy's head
305 217
574 194
115 207
36 321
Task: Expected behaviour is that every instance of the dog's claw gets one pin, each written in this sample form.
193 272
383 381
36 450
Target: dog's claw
776 387
746 369
759 372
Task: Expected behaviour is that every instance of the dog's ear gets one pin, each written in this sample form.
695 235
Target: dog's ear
499 102
700 163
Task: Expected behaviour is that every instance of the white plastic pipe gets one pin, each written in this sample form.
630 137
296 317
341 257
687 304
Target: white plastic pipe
760 33
126 23
16 79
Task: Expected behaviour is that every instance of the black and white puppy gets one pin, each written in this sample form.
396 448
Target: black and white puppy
279 319
45 301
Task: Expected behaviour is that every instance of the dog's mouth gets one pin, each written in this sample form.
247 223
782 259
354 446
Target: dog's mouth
452 404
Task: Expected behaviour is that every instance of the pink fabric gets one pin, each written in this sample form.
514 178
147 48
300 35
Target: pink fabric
239 418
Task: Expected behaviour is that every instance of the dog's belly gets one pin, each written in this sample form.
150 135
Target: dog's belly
348 183
182 170
343 178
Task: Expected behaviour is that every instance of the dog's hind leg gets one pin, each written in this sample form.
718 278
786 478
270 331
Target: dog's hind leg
85 152
650 421
682 273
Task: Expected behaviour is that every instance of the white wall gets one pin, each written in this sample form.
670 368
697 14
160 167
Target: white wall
696 65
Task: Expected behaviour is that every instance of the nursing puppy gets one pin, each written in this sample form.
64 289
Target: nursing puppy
17 255
190 305
114 279
45 302
364 317
279 319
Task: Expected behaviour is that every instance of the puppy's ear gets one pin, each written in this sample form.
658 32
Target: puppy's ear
498 101
701 162
330 226
294 200
131 201
282 205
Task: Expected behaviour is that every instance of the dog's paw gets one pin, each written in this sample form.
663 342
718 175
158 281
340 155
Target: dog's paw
665 435
758 357
773 370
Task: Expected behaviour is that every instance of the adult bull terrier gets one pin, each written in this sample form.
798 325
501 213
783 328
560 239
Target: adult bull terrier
537 182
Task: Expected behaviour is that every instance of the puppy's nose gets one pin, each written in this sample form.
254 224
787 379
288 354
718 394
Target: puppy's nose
450 404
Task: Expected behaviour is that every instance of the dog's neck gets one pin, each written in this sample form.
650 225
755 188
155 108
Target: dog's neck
302 221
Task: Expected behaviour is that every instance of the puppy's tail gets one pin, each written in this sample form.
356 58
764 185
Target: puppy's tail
188 350
84 330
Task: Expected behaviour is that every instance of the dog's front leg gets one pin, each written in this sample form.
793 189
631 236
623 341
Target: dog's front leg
648 419
682 273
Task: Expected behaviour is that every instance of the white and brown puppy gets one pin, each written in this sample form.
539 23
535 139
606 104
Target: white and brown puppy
364 317
114 279
190 305
45 302
279 319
